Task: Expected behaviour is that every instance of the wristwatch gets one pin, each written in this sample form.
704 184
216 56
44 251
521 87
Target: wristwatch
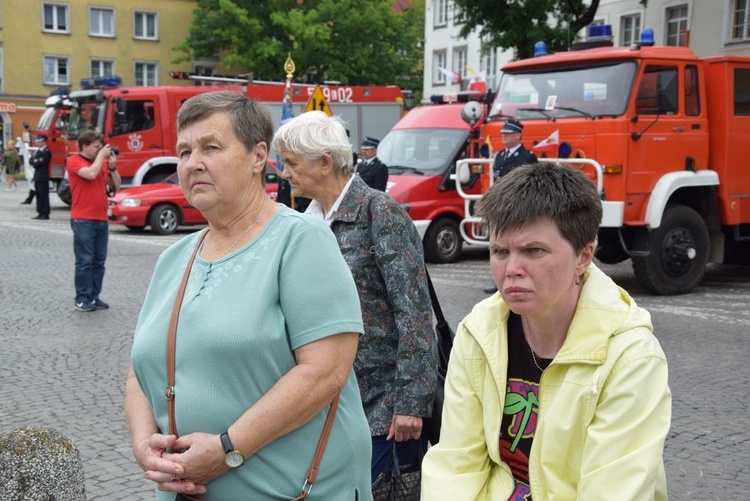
232 457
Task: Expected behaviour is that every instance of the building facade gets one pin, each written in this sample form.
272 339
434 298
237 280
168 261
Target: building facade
46 45
709 27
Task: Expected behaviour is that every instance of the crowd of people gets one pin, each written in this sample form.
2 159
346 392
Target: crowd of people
277 349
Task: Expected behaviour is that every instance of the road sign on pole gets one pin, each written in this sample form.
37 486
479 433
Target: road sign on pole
317 102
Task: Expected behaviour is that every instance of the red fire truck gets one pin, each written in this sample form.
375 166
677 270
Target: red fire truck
53 124
421 151
661 131
140 120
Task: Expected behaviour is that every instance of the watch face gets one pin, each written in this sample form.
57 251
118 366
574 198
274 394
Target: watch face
234 459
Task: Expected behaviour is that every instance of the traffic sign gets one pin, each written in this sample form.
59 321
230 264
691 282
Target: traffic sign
317 102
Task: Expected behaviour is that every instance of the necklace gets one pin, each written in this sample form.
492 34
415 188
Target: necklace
257 220
526 335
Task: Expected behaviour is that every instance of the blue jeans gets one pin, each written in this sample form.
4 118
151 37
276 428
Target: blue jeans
90 247
382 457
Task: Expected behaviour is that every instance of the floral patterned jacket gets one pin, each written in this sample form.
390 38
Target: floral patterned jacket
396 364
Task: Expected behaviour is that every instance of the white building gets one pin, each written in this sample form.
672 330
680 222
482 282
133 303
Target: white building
709 27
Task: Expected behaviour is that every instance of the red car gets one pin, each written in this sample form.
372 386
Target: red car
162 206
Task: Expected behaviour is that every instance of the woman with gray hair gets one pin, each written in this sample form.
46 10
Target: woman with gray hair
396 359
258 362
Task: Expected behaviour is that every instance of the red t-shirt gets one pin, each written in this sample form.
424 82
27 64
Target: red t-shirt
89 196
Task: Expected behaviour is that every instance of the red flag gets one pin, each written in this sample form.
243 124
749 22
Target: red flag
550 144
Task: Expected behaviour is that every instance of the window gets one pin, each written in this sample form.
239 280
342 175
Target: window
55 18
145 25
102 68
489 66
692 96
677 25
630 30
658 91
205 68
441 13
439 61
101 22
741 93
740 26
133 116
459 62
146 73
459 16
56 70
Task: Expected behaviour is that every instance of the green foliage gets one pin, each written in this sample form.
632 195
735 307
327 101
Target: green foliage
356 42
519 24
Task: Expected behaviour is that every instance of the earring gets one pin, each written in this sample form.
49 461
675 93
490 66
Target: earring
578 280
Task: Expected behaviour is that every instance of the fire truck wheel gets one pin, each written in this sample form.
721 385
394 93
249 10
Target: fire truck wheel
442 243
678 252
164 219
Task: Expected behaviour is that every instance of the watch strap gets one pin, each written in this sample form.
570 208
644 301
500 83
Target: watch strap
226 443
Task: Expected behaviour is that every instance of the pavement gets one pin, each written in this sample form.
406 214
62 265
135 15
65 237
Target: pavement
66 369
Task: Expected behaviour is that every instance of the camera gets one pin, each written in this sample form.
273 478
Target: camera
115 150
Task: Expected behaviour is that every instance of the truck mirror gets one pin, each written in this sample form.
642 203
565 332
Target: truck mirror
472 113
464 174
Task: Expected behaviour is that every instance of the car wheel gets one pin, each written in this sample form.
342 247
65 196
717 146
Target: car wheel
678 252
442 242
164 219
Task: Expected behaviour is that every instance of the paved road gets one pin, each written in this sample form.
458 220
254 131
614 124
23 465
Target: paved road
66 369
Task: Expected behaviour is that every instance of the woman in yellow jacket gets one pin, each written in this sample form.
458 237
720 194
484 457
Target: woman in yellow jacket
556 387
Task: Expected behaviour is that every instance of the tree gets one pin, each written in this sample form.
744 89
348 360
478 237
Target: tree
356 42
519 24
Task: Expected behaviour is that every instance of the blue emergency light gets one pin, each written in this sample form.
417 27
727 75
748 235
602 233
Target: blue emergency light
647 37
600 31
100 82
540 49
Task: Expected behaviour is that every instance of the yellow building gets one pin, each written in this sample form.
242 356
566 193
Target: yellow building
45 45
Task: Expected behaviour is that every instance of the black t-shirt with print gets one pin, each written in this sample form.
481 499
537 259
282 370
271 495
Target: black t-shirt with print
520 408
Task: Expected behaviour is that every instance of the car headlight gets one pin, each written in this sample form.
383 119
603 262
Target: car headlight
130 202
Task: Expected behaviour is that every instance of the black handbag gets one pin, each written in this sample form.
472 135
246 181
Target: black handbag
445 335
400 483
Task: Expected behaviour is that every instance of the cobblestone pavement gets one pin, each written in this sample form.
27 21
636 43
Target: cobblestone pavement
66 369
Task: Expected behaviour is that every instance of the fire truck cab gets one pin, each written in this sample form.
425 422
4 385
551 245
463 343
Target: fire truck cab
53 124
421 152
666 131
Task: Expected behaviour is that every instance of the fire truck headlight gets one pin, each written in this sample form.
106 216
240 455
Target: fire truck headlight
563 151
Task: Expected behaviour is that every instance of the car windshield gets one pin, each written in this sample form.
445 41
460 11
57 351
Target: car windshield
549 94
422 151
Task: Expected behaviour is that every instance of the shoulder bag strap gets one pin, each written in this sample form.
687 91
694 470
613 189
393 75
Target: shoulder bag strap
312 473
172 338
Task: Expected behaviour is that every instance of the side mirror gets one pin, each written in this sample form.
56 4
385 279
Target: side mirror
464 174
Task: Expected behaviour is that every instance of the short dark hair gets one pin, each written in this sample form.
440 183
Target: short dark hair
251 120
87 137
533 192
